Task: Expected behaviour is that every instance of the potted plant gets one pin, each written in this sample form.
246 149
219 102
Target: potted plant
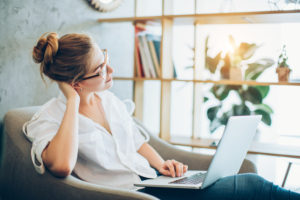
251 98
233 62
283 70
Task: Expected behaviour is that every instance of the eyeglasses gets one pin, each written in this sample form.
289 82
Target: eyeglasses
102 73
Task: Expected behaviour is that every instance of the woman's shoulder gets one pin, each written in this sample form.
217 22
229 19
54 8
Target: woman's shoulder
48 114
52 109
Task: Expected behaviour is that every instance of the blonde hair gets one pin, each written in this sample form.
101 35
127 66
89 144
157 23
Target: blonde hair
63 59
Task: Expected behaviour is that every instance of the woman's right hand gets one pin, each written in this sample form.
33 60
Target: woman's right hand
68 90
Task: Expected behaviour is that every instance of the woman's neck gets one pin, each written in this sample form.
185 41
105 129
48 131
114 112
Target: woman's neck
87 99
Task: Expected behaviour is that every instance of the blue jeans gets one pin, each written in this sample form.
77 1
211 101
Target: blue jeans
241 186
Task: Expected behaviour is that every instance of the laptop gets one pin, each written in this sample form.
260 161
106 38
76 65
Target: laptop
231 151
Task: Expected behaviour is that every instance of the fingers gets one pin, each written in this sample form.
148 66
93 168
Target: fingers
165 172
173 168
179 168
170 165
185 168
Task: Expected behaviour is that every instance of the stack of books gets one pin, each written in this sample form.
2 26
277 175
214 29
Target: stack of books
147 56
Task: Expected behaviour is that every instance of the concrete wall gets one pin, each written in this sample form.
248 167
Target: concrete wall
23 22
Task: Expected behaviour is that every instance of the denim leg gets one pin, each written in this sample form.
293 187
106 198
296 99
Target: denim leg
242 186
252 186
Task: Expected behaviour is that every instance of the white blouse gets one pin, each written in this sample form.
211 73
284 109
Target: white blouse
103 158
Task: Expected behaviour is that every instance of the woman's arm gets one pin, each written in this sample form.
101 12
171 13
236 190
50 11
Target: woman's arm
61 153
169 168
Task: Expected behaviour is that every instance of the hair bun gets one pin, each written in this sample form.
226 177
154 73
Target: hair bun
46 48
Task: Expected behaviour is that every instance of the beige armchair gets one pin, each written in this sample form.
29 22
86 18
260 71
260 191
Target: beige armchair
19 180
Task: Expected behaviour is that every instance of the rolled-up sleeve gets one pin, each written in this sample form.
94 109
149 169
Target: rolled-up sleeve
139 137
40 130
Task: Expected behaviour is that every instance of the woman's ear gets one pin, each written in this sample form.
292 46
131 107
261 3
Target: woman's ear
75 85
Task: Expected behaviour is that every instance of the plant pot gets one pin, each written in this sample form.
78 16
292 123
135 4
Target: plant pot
235 73
283 74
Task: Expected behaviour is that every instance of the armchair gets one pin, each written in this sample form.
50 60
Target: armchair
19 180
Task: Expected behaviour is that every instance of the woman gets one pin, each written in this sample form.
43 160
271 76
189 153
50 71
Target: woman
89 131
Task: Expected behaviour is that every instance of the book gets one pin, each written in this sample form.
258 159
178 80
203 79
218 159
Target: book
153 53
146 55
144 59
156 41
138 62
139 67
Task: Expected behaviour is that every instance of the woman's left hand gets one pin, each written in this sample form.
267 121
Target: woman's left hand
172 168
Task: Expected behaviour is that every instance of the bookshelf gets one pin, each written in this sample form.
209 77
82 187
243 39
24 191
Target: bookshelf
220 82
220 18
166 66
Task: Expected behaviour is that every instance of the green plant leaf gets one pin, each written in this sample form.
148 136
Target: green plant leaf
234 87
212 112
226 67
246 50
205 99
264 90
264 107
252 94
214 125
206 44
224 118
255 69
212 63
266 118
241 110
220 91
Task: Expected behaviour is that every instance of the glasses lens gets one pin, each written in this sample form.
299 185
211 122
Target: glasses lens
104 71
104 68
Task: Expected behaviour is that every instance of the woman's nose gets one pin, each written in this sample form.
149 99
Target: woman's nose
110 69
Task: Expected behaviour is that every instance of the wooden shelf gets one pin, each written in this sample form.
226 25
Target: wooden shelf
221 82
286 16
131 19
271 149
137 79
166 23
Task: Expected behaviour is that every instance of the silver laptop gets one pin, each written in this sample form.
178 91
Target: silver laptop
231 151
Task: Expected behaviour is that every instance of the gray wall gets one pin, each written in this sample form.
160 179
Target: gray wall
23 22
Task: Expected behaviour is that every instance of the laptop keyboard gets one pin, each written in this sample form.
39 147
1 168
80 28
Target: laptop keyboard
194 179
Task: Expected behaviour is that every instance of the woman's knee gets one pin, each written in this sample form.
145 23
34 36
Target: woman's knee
251 179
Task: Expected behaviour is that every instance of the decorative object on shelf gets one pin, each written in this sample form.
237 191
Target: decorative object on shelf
295 2
274 4
250 97
235 73
284 4
283 70
105 5
235 60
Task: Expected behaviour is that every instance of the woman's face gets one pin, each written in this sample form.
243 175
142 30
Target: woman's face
99 75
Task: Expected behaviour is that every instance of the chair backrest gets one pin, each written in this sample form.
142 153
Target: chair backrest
158 144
